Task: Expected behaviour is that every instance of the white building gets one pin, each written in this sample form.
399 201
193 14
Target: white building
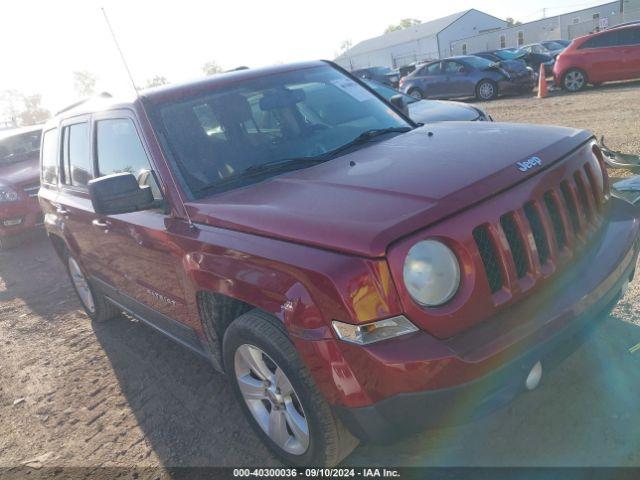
565 27
429 40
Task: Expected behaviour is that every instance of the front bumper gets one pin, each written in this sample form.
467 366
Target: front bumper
20 217
439 382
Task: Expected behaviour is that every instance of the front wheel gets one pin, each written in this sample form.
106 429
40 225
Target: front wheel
486 90
574 80
278 395
417 94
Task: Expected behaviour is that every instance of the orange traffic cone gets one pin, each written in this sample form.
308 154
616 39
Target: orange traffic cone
543 91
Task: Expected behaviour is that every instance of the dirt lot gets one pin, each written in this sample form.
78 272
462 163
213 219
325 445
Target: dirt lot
77 394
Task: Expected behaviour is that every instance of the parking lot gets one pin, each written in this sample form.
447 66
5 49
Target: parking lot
119 394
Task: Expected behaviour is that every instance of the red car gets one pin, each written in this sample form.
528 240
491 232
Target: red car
19 183
606 56
356 276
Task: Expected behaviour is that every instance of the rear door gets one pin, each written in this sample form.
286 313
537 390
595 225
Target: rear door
74 208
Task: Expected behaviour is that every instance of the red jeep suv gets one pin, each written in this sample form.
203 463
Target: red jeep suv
354 275
606 56
19 183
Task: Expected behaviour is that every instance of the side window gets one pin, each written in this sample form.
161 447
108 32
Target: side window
50 157
76 157
452 68
608 39
119 148
433 69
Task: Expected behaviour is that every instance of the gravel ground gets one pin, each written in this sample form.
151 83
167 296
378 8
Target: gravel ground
77 394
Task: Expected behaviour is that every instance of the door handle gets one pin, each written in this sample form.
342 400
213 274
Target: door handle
104 224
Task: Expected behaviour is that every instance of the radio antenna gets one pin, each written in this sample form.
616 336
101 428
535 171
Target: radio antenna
144 110
115 40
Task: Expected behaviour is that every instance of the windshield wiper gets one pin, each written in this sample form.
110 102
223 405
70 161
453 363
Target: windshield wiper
289 164
364 137
276 166
281 165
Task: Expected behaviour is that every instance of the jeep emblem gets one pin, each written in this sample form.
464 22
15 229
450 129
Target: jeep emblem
529 164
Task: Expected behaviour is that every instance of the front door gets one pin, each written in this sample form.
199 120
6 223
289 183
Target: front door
136 249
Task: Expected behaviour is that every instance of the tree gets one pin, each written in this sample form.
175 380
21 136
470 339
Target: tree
22 110
157 81
33 112
512 23
211 68
84 83
404 24
345 45
10 104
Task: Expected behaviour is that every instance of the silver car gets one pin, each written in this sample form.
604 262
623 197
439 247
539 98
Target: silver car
429 111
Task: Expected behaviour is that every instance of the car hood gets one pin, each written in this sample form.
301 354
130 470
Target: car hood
363 201
427 111
19 172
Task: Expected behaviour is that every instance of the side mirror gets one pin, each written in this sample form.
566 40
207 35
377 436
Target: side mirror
398 102
119 193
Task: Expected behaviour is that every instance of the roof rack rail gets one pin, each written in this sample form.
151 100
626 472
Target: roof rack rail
77 104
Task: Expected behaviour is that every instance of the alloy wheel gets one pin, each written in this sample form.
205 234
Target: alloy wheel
574 81
487 91
271 399
81 285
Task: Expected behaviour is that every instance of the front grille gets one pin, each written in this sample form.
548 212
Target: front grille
489 256
31 190
541 230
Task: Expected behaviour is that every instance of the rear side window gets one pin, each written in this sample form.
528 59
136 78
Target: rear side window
76 156
119 148
50 157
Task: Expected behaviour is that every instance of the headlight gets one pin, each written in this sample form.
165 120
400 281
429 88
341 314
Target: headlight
8 195
373 332
431 273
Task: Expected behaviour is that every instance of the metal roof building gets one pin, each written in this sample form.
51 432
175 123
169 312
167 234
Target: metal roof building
428 40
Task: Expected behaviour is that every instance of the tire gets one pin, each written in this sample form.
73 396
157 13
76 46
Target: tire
95 305
256 341
486 90
417 94
574 80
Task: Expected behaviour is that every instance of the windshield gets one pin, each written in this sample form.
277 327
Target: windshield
552 46
511 54
303 114
19 148
388 92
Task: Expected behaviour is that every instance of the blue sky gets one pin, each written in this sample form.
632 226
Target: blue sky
43 42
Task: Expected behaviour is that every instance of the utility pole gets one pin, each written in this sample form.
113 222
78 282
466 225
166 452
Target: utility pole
544 13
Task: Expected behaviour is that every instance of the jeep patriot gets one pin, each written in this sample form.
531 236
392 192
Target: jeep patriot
354 275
